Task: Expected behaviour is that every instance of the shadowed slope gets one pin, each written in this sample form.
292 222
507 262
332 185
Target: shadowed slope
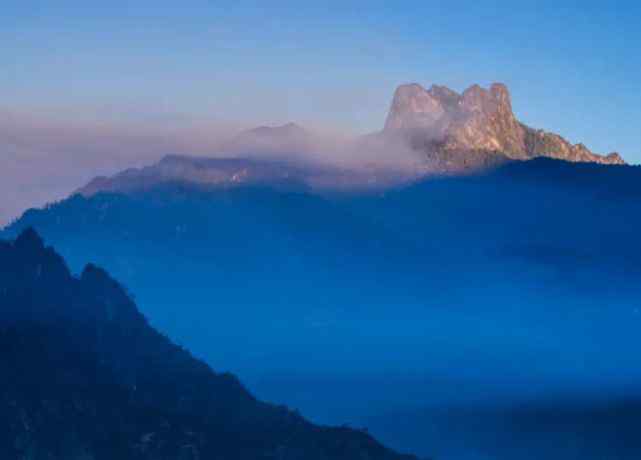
85 377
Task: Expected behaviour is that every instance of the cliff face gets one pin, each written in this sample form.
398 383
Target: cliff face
483 120
478 122
414 108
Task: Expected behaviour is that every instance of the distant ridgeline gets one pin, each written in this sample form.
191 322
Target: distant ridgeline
85 377
473 274
542 210
446 132
279 262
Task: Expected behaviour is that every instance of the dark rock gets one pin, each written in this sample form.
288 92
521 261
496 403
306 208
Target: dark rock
84 377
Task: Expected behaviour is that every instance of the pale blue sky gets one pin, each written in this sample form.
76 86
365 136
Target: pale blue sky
573 67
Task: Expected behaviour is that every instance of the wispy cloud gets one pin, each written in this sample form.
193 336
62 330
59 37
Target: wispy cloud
47 157
44 159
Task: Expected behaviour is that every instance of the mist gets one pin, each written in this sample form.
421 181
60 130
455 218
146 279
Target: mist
45 159
424 304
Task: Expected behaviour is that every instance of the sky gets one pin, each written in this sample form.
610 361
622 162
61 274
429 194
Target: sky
195 67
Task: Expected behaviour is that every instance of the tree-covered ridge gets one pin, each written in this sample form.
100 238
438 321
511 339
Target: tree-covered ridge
86 377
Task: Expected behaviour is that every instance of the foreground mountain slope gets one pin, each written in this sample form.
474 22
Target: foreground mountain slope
427 133
85 377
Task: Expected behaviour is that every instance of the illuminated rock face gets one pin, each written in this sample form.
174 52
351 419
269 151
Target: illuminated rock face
477 122
414 107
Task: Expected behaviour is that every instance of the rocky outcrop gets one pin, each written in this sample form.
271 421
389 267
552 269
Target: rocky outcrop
483 120
542 143
413 108
477 122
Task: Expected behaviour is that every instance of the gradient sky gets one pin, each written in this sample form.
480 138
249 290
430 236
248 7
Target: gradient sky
573 67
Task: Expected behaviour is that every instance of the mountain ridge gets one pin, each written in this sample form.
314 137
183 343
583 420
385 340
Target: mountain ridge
283 140
90 379
564 260
234 172
477 120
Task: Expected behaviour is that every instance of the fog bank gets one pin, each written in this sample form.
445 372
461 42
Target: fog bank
46 159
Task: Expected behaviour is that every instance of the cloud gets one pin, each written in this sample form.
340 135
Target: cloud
44 159
47 157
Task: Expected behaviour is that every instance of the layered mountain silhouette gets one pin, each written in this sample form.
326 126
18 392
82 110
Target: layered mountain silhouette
519 279
457 129
84 376
522 281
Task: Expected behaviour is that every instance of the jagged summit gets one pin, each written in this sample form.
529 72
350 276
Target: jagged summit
447 133
478 120
414 107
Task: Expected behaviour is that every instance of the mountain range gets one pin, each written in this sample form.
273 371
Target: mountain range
513 286
85 377
444 132
477 122
498 269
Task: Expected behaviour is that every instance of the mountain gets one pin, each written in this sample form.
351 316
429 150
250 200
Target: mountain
229 173
263 155
205 172
505 286
456 128
446 132
86 377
